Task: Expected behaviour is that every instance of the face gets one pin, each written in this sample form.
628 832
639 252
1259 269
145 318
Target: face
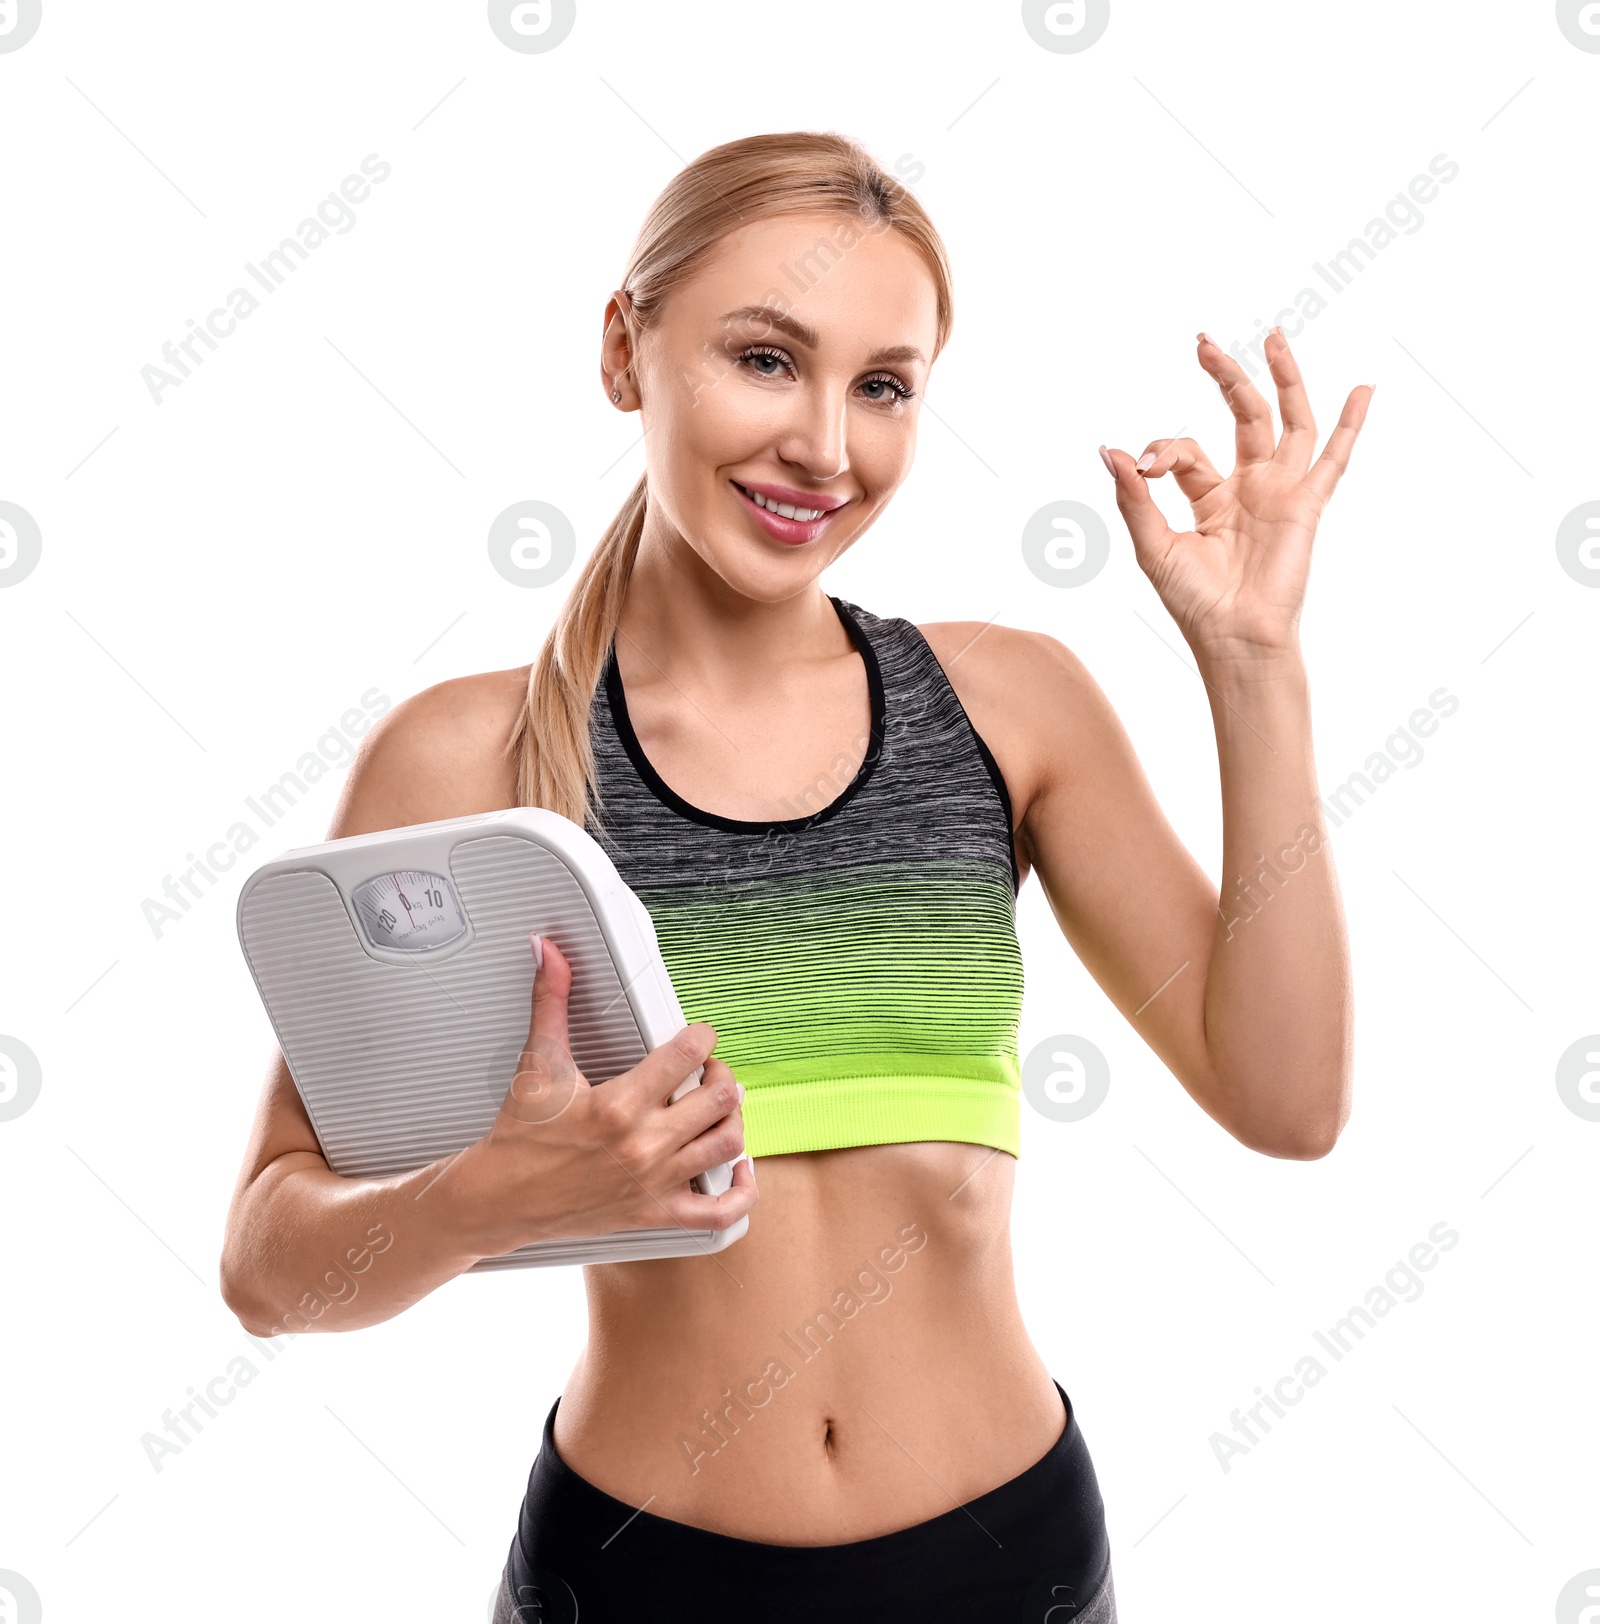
788 372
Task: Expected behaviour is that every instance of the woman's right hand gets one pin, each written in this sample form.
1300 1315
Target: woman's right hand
567 1157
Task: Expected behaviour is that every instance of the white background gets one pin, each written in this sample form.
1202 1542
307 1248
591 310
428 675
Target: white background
305 518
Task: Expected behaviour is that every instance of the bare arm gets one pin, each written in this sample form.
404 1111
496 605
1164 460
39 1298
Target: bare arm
1248 1003
1279 1006
307 1249
1250 1012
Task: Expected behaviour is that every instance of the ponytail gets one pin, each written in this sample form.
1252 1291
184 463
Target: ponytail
555 761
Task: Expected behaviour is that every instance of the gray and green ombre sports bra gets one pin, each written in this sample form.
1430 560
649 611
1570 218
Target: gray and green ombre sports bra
859 962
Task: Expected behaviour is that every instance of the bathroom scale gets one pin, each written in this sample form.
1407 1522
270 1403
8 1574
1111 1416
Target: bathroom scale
396 971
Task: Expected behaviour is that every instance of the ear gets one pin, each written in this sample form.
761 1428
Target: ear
617 352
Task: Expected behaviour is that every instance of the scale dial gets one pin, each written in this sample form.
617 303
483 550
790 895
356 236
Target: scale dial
409 910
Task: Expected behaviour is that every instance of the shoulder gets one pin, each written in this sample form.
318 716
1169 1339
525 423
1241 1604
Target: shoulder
985 658
440 753
1023 682
1031 699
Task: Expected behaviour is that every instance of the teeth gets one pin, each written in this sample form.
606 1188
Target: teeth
785 510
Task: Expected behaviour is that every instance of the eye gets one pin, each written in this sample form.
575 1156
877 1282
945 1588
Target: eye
760 353
881 388
894 390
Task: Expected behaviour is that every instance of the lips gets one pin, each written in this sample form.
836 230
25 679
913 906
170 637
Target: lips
793 530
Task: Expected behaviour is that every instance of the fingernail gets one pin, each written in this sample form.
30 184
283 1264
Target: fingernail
1145 462
537 944
1105 457
1207 338
740 1086
752 1161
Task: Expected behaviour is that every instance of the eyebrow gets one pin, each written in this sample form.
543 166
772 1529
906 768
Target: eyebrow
802 334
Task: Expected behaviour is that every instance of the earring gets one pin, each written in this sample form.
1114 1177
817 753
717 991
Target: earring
616 394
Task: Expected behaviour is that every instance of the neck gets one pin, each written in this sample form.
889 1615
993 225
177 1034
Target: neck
683 622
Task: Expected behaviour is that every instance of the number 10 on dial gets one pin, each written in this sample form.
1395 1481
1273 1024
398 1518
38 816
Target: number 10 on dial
409 910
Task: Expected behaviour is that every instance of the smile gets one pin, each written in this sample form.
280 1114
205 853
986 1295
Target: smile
786 509
791 522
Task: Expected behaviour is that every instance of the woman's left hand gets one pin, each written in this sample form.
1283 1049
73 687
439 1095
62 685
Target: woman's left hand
1235 583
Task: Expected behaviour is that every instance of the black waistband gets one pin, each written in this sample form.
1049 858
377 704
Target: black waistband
582 1554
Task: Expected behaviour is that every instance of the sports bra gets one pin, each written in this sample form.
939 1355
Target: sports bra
859 961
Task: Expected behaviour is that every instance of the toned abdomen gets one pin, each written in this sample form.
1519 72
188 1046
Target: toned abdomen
856 1364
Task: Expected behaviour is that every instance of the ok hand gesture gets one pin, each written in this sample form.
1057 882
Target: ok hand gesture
1235 583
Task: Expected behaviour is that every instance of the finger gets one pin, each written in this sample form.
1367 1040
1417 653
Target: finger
547 1079
1335 458
666 1067
695 1211
552 983
720 1142
714 1101
1146 524
1185 461
1299 438
1252 416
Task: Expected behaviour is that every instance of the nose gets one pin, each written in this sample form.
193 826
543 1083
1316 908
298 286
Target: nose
814 437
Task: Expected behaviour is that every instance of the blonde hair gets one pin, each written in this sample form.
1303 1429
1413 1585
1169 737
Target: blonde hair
724 188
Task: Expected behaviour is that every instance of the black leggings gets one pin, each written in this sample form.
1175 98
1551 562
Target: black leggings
1033 1551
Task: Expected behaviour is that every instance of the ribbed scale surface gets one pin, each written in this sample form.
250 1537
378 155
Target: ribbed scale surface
859 962
305 951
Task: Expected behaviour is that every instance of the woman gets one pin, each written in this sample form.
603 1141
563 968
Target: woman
828 814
